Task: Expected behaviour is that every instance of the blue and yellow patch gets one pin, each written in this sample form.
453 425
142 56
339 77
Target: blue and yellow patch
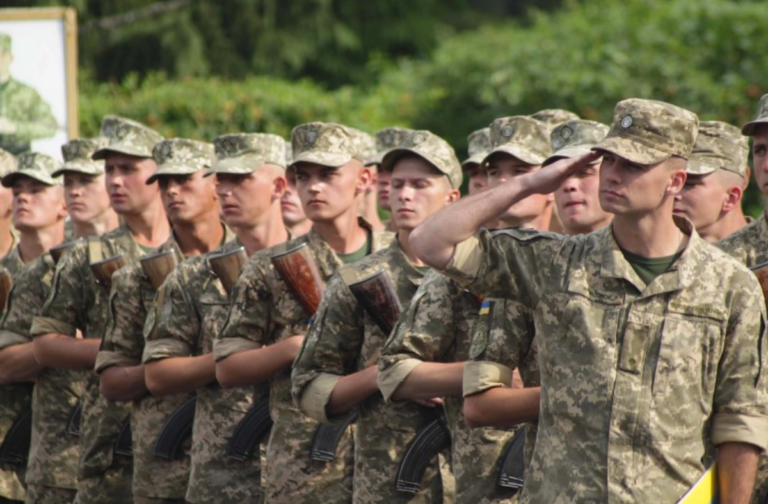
485 308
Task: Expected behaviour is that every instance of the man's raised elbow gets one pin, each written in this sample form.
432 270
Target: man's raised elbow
154 383
225 375
473 411
419 243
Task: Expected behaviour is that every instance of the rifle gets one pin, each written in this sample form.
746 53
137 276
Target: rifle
378 297
249 431
104 269
761 272
227 267
158 266
299 271
58 251
512 468
15 448
75 419
6 282
326 439
123 442
175 430
430 441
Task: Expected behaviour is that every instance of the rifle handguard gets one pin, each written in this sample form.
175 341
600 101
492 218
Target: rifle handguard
298 269
428 442
6 282
123 442
512 468
103 270
326 439
227 267
158 266
15 448
75 419
175 430
378 297
249 432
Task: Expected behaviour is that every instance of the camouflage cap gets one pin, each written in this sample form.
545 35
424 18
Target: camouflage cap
719 146
386 140
244 153
478 147
364 142
288 153
181 156
761 118
78 156
127 137
326 144
575 138
650 131
554 117
8 163
521 136
36 166
5 42
433 149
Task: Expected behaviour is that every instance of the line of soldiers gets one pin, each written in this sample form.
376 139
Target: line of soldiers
231 322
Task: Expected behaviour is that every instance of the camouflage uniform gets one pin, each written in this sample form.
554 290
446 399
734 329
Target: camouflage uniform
344 339
132 297
190 310
478 147
638 381
263 311
79 302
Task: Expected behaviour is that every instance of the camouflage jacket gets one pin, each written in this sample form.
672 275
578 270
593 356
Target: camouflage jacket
344 339
190 310
53 451
78 301
638 381
264 311
22 105
437 327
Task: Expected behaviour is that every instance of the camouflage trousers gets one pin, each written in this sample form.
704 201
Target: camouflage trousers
113 487
10 485
41 494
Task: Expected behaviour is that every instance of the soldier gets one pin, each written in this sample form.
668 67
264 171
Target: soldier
386 140
7 233
24 116
52 467
293 214
337 368
577 200
631 324
265 325
191 308
479 144
39 211
78 302
192 206
717 174
425 356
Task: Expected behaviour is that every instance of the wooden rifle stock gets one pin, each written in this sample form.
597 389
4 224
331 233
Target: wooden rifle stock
103 270
378 297
58 251
158 266
6 282
299 271
227 267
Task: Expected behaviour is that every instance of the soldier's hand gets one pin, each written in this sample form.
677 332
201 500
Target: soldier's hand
549 178
7 127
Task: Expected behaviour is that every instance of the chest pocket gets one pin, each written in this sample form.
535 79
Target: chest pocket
213 314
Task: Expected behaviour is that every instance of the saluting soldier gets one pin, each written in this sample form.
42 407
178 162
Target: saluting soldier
39 211
78 302
191 308
8 238
337 368
265 325
649 339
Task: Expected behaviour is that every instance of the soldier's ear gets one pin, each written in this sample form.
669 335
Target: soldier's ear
364 180
279 185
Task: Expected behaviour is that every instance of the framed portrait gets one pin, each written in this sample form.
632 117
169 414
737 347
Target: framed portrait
38 79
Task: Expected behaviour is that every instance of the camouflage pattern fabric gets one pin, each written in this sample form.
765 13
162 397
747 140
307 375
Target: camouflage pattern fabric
638 382
326 144
521 136
34 165
22 105
430 147
344 339
554 117
263 311
127 137
190 310
8 163
386 140
760 119
244 153
438 327
78 154
180 156
718 146
478 146
37 494
575 138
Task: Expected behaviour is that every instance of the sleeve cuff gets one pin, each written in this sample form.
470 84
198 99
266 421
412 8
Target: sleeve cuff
164 348
106 359
391 378
736 428
47 325
223 348
480 376
466 261
316 395
10 338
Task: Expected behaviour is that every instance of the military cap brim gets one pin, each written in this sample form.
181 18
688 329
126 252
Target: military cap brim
240 165
11 178
476 159
631 150
376 159
322 159
169 168
521 153
83 167
570 152
120 149
391 158
749 128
